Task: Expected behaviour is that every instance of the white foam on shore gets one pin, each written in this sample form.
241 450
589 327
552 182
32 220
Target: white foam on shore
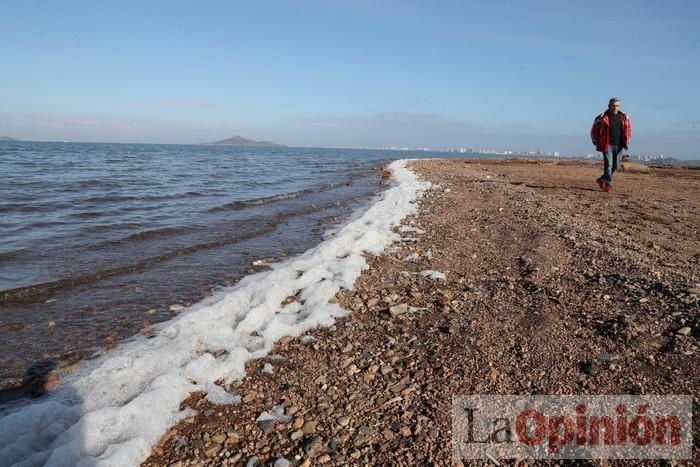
112 410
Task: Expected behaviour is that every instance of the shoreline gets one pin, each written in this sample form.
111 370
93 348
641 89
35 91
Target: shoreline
114 408
551 287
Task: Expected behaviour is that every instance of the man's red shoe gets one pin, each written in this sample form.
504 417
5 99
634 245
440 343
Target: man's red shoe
608 188
602 185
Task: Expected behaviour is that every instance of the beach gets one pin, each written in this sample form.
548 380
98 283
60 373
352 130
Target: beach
462 277
514 277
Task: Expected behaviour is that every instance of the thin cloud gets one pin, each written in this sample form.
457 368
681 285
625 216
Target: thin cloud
180 103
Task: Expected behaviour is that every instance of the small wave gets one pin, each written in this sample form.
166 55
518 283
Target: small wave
114 198
236 205
12 255
154 233
87 215
40 292
102 228
26 208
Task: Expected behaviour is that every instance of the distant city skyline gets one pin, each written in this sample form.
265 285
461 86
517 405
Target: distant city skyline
502 75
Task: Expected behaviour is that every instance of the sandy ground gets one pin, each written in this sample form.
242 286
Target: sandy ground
552 287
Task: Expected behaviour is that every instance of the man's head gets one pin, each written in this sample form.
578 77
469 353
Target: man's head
614 105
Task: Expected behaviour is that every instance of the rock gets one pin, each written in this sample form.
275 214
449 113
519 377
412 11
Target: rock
363 436
372 302
298 422
391 298
343 421
267 425
590 368
694 291
250 397
212 450
397 310
296 435
334 444
309 427
286 340
684 331
314 447
219 438
252 462
321 380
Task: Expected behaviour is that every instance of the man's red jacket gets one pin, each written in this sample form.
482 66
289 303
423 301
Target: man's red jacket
600 132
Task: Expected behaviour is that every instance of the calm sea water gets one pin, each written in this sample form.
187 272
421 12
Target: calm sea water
99 240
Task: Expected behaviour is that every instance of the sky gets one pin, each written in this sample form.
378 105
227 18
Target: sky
439 74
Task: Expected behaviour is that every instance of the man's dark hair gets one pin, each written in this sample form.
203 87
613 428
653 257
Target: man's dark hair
613 100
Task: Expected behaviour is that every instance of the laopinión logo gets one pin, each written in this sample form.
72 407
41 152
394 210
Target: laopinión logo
572 427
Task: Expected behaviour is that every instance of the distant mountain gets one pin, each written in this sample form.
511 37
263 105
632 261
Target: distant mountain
6 138
241 141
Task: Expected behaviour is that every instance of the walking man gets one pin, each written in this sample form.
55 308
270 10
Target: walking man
611 134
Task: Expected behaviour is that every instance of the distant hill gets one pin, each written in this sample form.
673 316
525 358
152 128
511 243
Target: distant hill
6 138
241 141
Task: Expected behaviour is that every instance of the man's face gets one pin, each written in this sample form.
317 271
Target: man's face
613 107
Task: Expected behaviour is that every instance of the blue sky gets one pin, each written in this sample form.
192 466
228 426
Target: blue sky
502 75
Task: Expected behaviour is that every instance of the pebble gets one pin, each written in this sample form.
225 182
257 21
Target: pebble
267 425
219 439
298 422
212 450
250 397
314 447
309 427
684 331
363 436
397 310
343 421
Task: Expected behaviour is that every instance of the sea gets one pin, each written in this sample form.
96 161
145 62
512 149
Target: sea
98 242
